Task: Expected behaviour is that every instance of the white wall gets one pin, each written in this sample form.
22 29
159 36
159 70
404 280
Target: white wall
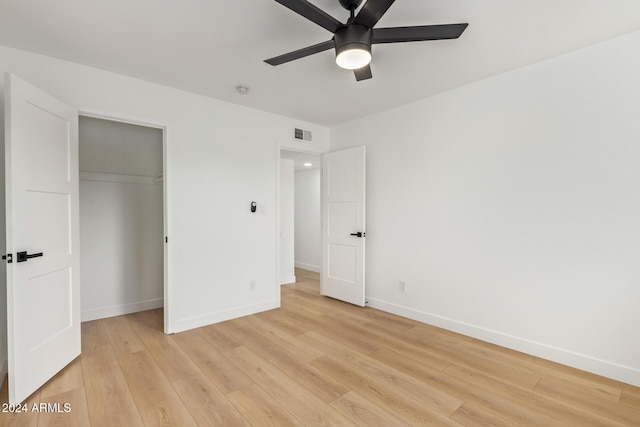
511 208
3 246
113 147
219 157
287 268
308 231
121 218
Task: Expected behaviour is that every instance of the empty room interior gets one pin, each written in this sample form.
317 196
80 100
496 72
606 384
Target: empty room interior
323 212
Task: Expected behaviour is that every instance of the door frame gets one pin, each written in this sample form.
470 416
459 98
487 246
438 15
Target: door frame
165 198
279 149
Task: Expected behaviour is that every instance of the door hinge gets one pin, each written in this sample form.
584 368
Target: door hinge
166 239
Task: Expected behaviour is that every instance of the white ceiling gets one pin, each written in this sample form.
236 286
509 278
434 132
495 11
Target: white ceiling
211 46
300 159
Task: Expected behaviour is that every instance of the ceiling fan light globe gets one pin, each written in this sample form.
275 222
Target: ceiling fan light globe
352 59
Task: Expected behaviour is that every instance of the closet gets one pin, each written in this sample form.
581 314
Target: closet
121 218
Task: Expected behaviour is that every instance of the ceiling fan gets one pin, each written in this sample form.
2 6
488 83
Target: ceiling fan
352 41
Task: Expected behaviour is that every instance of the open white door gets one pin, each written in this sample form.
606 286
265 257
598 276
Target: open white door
43 298
343 225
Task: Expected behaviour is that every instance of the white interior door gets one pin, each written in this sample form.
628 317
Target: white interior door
43 299
343 225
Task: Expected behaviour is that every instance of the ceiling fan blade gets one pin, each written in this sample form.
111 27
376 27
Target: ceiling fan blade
363 73
372 11
312 13
419 33
300 53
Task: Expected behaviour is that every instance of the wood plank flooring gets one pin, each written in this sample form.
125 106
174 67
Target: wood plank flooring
316 361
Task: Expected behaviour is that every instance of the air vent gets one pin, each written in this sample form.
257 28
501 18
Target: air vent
302 134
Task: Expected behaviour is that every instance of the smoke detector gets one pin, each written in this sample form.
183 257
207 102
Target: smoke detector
243 90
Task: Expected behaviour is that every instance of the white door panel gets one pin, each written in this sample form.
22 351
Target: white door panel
342 263
43 298
342 177
47 154
343 215
341 219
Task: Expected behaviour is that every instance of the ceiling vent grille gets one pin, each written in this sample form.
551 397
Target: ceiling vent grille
302 134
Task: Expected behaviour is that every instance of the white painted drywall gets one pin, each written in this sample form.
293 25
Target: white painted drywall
3 246
121 214
308 230
287 267
511 208
219 157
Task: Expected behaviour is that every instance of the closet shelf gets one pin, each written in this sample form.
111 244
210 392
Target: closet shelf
114 177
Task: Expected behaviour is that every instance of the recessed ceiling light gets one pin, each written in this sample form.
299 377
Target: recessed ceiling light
243 90
308 164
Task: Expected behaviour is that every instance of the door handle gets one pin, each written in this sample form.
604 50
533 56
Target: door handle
24 256
358 234
8 257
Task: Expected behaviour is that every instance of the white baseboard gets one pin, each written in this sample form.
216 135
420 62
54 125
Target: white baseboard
221 316
118 310
287 279
310 267
605 368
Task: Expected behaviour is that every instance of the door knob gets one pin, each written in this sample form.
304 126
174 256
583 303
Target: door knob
358 234
24 256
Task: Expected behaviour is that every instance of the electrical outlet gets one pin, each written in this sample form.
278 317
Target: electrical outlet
253 285
402 286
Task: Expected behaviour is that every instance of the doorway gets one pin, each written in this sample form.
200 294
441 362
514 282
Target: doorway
121 217
300 214
342 222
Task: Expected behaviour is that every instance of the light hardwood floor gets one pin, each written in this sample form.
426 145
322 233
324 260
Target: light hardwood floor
316 361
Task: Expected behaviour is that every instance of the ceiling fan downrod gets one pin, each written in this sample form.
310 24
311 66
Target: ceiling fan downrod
351 6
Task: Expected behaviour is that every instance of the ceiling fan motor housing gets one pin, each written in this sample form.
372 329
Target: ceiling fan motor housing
354 36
